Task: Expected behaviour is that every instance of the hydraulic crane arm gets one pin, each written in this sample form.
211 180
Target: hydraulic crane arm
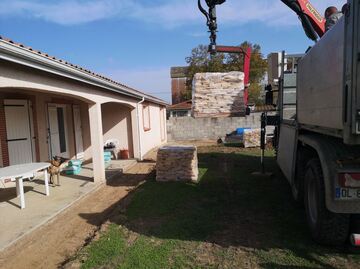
211 17
312 21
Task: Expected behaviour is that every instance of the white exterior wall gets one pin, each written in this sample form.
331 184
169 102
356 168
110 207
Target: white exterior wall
152 138
117 125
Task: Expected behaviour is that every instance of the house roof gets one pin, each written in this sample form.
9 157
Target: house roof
181 106
19 53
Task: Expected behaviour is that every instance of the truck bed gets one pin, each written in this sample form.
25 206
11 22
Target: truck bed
320 82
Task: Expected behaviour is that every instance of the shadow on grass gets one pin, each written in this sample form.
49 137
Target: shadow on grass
229 207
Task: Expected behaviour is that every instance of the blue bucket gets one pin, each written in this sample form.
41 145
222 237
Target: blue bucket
240 131
75 163
73 170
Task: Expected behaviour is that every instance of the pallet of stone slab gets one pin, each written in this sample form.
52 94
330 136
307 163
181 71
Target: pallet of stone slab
234 140
177 163
218 95
252 138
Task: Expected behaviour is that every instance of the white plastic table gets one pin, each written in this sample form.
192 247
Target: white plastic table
22 171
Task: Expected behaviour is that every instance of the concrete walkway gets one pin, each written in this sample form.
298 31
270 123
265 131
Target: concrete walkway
16 222
52 243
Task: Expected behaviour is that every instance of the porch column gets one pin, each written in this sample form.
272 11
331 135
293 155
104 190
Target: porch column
135 133
97 142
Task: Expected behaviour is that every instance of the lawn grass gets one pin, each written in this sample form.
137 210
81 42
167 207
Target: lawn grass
230 219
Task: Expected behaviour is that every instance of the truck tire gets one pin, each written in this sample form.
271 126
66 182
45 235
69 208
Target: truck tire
297 186
297 190
326 228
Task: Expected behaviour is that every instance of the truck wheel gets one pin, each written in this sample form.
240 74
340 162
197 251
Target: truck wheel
326 227
297 192
297 186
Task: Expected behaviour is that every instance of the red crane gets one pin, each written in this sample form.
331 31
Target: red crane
313 22
213 48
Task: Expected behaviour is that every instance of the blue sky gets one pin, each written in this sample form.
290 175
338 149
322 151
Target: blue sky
137 41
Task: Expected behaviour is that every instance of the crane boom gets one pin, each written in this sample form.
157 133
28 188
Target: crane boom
312 21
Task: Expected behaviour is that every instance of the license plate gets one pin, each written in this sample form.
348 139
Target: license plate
347 194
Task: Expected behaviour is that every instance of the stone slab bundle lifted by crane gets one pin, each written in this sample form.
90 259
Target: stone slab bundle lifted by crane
218 95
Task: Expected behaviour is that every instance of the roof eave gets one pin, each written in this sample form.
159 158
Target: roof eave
21 56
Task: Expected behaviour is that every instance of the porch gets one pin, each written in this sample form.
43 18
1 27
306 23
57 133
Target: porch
36 126
40 208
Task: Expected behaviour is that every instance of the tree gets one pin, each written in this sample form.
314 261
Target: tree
201 61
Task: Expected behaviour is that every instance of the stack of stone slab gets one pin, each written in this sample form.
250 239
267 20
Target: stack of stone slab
218 95
177 163
252 138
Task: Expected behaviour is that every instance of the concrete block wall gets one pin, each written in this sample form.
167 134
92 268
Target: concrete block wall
188 128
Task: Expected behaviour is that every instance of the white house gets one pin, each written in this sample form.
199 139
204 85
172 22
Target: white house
51 107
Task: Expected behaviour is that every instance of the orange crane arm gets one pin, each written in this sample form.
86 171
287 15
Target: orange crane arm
312 21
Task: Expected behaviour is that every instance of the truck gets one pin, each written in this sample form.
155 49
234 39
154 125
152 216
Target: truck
317 138
318 144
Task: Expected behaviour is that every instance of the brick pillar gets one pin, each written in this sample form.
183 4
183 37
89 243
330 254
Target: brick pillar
3 135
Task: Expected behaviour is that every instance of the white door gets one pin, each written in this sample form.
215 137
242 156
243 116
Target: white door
18 131
58 131
78 132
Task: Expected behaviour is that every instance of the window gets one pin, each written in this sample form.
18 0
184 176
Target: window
146 118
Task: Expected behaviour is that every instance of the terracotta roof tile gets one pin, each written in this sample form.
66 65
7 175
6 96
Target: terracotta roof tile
181 106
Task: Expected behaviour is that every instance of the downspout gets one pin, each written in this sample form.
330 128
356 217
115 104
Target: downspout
138 122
